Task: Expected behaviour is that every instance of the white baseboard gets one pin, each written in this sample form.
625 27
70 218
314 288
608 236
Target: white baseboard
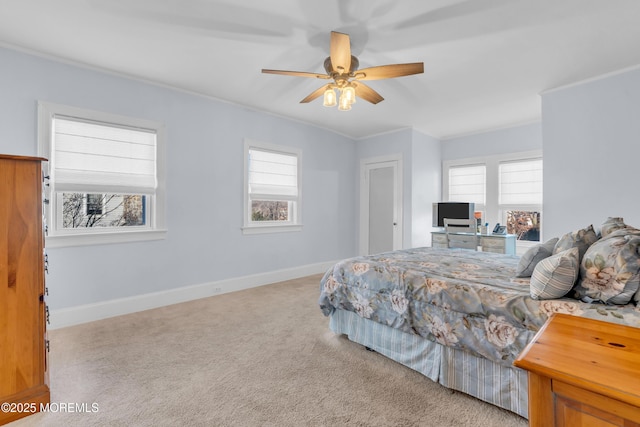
116 307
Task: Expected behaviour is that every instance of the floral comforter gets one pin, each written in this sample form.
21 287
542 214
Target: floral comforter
463 299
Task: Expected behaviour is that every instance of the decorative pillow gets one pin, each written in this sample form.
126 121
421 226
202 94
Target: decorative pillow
610 269
554 276
580 239
610 225
533 256
629 231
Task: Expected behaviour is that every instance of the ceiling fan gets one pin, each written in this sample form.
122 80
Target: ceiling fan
342 68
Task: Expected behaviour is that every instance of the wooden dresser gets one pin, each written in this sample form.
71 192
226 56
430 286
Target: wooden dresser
24 382
583 372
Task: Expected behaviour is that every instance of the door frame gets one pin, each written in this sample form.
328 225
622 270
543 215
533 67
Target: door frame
366 165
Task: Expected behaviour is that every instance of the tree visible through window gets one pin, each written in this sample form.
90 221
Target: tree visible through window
266 210
524 224
81 210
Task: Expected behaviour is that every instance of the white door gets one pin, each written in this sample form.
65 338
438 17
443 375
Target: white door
381 208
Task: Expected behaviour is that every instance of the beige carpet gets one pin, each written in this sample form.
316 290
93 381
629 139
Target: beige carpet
260 357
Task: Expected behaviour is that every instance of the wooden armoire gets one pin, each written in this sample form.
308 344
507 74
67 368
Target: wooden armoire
24 379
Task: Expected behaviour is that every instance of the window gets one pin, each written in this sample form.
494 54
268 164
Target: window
106 180
508 189
520 197
468 184
272 188
94 203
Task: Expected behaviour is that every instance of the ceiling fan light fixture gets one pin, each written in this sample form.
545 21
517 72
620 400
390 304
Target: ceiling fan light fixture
350 93
329 98
344 104
342 67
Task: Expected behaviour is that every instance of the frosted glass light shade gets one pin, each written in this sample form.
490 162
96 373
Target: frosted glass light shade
344 104
329 98
350 93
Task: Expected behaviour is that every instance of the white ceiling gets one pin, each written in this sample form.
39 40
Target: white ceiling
486 61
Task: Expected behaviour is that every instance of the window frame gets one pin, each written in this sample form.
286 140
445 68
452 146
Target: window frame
257 227
493 211
58 237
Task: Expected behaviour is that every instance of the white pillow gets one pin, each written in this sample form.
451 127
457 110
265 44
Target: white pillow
554 276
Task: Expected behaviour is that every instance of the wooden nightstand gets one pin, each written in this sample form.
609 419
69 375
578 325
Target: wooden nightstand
583 372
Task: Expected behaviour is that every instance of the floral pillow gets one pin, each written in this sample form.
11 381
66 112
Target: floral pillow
533 256
612 224
580 239
610 269
554 276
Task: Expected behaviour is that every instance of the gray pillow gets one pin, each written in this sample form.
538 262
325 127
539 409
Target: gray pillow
554 276
580 239
533 256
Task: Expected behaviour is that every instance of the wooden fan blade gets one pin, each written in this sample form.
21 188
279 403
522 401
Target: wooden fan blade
365 92
296 74
315 94
340 52
390 71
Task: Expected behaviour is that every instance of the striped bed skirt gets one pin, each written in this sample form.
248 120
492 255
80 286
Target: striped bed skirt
503 386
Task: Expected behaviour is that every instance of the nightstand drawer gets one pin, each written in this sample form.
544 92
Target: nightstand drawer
439 240
496 245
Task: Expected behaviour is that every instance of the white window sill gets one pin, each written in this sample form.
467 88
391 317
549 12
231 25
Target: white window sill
104 238
270 228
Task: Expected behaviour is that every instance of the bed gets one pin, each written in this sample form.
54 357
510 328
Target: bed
461 317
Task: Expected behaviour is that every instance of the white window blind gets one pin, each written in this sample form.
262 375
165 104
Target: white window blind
467 183
272 176
103 158
521 182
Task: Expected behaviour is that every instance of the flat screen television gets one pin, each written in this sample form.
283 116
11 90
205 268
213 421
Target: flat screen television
455 210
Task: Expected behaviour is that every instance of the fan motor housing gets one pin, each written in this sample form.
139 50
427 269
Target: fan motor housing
329 67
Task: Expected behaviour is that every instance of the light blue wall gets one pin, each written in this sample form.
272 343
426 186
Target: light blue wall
421 177
204 185
509 140
591 153
426 184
